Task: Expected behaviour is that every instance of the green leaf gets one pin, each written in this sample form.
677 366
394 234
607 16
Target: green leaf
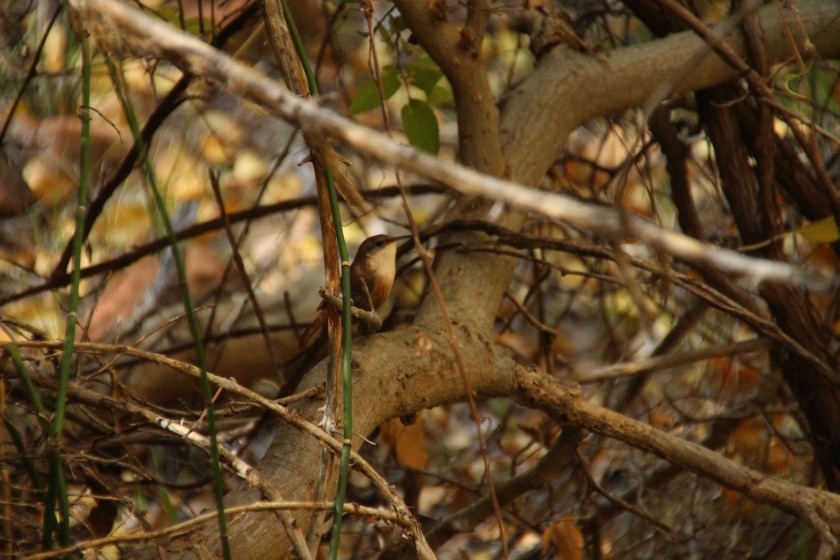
397 24
385 34
441 95
390 31
421 126
367 97
424 73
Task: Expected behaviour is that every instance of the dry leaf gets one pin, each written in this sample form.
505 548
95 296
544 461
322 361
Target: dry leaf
408 442
565 538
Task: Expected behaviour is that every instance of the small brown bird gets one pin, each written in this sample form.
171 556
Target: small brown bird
373 271
372 276
371 279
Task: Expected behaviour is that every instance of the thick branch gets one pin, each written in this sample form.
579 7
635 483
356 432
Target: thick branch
457 50
568 88
820 509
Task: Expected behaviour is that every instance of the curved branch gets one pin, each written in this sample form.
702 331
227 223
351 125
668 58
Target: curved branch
634 76
819 509
457 50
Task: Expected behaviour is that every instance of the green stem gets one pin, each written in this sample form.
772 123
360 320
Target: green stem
347 333
58 489
206 389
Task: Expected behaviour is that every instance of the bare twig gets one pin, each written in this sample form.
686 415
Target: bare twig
289 416
640 367
370 318
207 518
819 509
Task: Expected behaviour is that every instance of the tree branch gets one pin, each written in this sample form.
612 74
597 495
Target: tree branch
820 509
632 76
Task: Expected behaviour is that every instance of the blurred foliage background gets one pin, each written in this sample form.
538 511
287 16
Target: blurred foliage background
577 306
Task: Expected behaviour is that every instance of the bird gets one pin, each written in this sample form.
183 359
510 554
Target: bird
372 275
373 271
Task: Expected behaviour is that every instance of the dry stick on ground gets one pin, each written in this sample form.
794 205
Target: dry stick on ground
241 468
285 414
206 518
561 401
